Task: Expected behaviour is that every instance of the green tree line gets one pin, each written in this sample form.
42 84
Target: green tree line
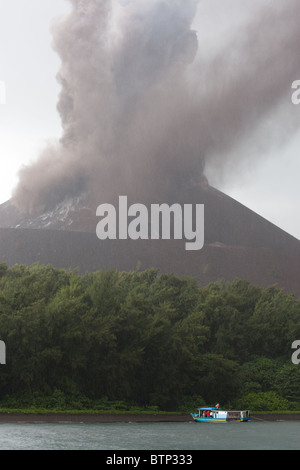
145 338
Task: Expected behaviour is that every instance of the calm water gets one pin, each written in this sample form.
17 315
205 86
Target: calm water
151 436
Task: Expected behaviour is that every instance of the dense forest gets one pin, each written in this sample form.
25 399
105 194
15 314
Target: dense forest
145 339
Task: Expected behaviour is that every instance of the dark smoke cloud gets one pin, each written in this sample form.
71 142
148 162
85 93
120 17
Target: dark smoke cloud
142 115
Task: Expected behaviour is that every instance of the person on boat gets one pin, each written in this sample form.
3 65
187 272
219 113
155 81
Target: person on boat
218 406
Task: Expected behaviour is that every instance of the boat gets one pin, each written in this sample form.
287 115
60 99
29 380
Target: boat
212 414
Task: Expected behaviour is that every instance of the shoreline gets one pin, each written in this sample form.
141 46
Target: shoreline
90 418
86 418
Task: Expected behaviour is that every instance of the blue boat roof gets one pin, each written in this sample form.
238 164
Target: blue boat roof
207 408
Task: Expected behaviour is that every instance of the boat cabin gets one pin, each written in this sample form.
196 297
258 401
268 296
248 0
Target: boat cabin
214 414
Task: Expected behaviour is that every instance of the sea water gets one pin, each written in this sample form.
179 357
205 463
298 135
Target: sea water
268 435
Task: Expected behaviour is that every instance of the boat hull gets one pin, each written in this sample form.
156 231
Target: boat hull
218 420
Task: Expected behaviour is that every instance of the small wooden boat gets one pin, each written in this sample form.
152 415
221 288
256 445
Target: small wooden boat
212 414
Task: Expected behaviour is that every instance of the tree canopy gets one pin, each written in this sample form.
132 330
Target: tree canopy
145 338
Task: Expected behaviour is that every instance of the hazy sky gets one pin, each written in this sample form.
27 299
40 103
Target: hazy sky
268 183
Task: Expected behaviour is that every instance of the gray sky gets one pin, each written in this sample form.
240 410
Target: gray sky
268 183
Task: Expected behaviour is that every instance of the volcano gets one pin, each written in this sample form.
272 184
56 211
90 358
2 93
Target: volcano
145 109
238 243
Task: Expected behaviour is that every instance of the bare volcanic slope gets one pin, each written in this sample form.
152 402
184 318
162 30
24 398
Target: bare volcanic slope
238 243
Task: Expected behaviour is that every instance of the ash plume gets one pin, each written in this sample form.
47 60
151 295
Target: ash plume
143 114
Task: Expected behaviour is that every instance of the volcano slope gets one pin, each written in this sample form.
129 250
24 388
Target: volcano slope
238 243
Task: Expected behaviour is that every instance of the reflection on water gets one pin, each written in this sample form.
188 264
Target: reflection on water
281 435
